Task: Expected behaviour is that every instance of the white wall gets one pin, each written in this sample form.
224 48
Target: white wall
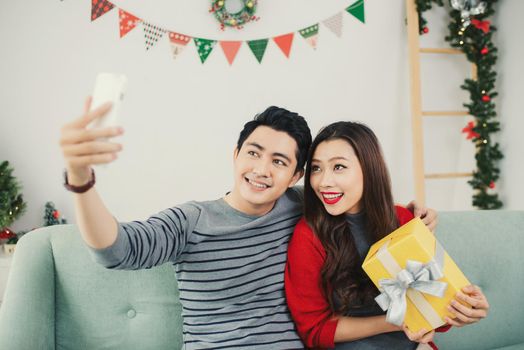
182 118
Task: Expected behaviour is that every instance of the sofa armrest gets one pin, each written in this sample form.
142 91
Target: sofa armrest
27 314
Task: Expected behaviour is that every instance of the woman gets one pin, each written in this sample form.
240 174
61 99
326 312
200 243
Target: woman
348 207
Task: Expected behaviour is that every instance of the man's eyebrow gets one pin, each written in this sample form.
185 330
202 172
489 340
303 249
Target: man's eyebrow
256 145
276 154
282 155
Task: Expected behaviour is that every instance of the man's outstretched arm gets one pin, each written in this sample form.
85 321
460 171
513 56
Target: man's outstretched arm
82 148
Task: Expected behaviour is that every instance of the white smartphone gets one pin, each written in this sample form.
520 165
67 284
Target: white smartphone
108 87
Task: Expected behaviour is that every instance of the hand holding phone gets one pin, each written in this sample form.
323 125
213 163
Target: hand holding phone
109 87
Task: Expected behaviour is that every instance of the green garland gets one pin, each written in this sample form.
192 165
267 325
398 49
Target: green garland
237 20
423 6
473 35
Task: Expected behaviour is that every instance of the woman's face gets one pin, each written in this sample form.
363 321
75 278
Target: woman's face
336 177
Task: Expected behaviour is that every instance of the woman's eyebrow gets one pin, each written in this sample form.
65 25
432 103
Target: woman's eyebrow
339 158
331 159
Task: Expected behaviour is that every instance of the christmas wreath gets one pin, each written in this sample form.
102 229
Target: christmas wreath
238 19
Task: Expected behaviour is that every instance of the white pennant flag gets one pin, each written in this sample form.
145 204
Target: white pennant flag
335 24
152 34
178 42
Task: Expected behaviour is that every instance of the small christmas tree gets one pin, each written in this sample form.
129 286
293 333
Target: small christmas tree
12 203
52 216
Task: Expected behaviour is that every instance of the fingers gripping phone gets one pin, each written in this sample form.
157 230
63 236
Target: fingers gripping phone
108 87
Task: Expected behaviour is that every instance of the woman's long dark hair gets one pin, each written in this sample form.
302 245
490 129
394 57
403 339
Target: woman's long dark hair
341 274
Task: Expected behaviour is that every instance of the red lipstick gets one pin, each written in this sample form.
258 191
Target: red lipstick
331 200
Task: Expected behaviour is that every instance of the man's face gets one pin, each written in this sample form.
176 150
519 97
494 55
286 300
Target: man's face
264 169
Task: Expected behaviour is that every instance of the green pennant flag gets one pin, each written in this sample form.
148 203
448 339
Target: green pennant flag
310 34
309 31
258 47
204 47
357 10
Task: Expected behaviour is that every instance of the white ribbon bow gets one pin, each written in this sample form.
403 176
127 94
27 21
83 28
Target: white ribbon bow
416 275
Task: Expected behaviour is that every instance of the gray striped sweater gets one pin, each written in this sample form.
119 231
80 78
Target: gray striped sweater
229 266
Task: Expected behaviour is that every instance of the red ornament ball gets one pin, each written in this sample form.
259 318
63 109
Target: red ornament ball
56 214
491 184
6 233
484 50
425 30
486 98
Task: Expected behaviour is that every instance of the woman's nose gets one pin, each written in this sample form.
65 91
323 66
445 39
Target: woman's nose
326 179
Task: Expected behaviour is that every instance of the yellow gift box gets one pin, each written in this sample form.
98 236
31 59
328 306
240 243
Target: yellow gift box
416 243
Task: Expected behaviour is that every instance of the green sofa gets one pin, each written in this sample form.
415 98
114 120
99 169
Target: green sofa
57 298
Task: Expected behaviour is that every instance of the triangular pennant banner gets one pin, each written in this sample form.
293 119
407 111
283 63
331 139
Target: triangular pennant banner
152 34
284 42
357 10
230 49
258 47
127 22
178 42
335 24
204 47
310 34
99 8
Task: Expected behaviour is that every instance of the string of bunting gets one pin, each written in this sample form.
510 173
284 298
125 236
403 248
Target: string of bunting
178 41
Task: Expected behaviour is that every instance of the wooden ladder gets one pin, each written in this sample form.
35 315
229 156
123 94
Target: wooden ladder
417 114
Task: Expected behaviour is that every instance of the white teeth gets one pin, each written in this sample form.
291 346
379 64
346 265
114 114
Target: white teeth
256 184
331 196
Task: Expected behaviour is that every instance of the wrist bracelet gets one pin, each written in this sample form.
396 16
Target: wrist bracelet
82 188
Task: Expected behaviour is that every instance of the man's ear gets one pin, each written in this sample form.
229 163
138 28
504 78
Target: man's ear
235 153
298 175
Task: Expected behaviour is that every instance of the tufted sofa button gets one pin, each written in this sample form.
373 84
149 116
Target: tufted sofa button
131 313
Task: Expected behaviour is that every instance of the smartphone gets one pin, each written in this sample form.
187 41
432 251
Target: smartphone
108 87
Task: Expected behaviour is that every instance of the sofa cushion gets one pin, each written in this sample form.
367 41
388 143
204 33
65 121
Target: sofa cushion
489 248
96 308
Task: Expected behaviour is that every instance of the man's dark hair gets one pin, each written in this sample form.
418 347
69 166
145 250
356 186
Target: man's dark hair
281 119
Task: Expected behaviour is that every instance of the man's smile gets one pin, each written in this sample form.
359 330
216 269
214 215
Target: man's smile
257 184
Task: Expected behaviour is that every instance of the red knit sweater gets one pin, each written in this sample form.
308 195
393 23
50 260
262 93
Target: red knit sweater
315 322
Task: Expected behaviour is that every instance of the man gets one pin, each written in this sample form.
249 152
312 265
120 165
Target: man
229 254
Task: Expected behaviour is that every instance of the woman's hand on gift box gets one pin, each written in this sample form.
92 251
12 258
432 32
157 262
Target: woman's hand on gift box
464 315
422 336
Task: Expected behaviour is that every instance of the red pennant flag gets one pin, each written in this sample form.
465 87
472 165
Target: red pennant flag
284 42
230 49
180 39
99 8
127 22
